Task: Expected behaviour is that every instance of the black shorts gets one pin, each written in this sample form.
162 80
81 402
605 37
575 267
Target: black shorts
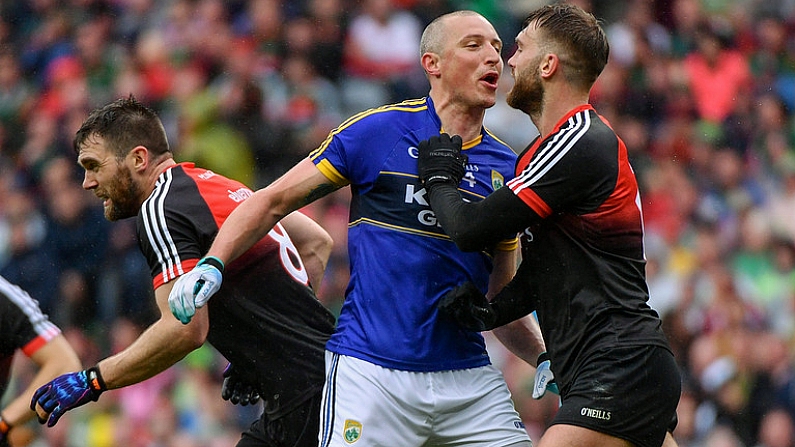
627 392
295 424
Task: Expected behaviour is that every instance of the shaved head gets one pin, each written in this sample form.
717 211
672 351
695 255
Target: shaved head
434 37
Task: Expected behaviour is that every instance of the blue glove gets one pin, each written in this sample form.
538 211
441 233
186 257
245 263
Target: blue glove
544 379
67 392
193 289
237 391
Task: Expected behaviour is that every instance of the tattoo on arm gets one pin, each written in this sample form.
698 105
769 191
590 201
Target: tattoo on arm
321 190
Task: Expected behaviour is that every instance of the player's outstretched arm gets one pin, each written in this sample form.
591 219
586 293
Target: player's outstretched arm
473 226
247 224
159 347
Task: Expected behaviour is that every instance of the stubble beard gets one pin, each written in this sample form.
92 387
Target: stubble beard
124 192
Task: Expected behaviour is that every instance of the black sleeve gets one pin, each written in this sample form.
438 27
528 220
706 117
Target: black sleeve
480 225
513 302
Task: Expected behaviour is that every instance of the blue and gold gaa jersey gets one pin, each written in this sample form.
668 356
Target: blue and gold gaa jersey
402 263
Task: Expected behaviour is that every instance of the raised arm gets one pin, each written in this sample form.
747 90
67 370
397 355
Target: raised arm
473 226
252 220
247 224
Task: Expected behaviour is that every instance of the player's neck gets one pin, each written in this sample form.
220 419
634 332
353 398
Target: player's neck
466 122
555 108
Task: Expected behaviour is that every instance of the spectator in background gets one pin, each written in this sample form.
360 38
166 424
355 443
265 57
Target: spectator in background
329 21
311 106
202 131
380 57
26 260
77 234
263 23
17 98
772 63
777 429
715 72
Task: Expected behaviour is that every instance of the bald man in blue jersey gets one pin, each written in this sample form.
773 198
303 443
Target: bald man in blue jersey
397 371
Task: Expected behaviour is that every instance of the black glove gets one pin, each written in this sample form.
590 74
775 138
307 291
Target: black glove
469 308
236 391
440 160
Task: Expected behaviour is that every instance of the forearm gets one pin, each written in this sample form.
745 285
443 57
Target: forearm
162 345
512 303
478 225
257 215
504 267
246 225
523 338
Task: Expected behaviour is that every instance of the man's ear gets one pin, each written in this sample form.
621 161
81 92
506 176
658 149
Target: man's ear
430 63
139 157
549 64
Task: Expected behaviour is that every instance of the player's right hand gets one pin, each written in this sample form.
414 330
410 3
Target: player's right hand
469 307
236 390
440 160
544 378
66 392
193 289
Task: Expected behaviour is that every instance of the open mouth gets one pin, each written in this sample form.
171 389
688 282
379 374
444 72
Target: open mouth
491 79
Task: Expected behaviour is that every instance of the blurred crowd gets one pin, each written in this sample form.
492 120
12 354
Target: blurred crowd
701 91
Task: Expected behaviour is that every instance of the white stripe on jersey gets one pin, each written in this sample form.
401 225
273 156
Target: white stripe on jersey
43 326
154 218
552 152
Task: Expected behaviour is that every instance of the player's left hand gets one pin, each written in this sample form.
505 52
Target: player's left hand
236 390
193 289
67 392
469 307
544 379
440 160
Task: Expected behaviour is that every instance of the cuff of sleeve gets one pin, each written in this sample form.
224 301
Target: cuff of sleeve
543 357
95 379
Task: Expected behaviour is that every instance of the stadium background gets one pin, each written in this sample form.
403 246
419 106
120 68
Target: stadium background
702 92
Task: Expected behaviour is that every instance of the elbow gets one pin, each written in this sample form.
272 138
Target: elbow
193 340
465 241
191 336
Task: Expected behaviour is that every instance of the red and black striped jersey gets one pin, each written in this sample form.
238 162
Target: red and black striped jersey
265 319
584 260
23 327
